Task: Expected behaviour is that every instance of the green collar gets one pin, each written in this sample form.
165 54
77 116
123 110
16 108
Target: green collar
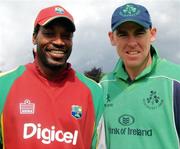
121 73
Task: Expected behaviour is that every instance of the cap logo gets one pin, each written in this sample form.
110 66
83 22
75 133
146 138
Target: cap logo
59 10
129 10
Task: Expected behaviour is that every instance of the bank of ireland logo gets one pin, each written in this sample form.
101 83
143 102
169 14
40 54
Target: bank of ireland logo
153 101
76 111
59 10
129 10
27 107
126 120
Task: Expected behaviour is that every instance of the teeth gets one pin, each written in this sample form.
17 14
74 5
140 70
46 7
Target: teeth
56 52
133 52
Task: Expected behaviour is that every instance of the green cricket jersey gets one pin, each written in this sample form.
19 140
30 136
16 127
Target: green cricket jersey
143 114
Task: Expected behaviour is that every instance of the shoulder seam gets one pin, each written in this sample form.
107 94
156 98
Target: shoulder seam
164 77
108 80
7 72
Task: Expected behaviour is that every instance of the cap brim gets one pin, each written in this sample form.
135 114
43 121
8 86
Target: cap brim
146 26
47 21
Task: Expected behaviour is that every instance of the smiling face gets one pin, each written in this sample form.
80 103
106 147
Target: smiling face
133 43
54 45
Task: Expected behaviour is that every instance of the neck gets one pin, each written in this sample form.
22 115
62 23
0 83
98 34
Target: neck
50 73
133 72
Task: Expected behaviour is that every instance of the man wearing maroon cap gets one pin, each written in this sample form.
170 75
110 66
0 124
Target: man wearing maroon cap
46 104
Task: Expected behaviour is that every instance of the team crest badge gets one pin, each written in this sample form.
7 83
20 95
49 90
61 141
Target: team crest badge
153 101
129 10
76 111
59 10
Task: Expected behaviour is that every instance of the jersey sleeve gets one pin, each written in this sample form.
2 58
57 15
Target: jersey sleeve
99 131
176 97
6 81
97 97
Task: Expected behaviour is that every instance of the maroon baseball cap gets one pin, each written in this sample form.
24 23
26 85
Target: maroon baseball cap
48 14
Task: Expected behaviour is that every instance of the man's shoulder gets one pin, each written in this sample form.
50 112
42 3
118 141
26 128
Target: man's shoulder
168 69
13 73
87 81
169 63
96 92
6 81
108 77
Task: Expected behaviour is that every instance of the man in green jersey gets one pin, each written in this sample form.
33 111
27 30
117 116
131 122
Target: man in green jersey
142 94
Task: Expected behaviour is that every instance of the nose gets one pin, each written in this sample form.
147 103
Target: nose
132 41
58 41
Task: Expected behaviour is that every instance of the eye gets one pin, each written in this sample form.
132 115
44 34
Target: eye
121 34
67 36
48 33
140 32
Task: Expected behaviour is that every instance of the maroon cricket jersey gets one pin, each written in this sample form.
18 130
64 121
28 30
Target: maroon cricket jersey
43 114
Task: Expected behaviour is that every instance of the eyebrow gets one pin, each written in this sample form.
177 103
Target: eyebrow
122 30
44 28
141 29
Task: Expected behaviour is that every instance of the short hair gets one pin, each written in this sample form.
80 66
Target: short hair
36 29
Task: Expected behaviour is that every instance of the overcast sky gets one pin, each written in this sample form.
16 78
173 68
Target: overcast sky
91 43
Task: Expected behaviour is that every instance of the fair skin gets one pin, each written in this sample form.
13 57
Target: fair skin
54 46
132 43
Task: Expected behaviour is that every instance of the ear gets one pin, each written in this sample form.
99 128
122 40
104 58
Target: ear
35 48
153 34
34 39
111 37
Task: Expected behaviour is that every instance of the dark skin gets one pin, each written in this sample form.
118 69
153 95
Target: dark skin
54 46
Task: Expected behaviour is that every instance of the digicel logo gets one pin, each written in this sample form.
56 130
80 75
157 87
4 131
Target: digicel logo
48 135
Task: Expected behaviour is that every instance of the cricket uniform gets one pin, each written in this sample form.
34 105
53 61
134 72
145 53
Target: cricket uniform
40 114
144 113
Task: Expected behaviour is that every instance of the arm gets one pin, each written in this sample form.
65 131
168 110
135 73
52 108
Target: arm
176 97
101 133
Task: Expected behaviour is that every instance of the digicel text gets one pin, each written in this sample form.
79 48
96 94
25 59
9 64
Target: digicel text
48 135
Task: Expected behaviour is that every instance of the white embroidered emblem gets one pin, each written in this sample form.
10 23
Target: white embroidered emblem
27 107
